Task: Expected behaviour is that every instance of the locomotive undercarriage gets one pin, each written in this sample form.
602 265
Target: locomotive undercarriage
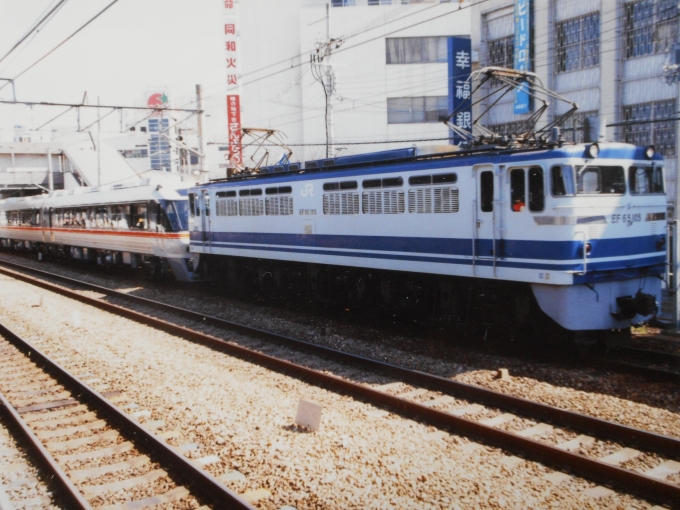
502 310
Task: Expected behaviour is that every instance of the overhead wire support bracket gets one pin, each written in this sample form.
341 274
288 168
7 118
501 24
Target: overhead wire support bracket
81 105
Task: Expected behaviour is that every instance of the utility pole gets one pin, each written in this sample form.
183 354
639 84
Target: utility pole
199 127
323 73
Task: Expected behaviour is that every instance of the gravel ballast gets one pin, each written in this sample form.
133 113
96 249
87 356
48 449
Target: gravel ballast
361 458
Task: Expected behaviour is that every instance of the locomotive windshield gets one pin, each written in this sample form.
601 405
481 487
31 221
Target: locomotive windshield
588 180
645 180
175 213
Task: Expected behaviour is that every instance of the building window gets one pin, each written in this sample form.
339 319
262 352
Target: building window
507 128
578 43
647 126
416 50
651 26
581 127
501 52
410 110
342 3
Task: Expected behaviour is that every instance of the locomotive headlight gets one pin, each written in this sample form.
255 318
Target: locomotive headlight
593 150
649 152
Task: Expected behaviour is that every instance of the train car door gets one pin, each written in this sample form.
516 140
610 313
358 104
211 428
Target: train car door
205 219
484 246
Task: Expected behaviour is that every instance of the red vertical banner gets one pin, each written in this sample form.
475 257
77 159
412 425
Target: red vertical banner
232 64
234 127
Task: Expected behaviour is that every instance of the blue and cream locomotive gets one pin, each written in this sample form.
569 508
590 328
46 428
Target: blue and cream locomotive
568 235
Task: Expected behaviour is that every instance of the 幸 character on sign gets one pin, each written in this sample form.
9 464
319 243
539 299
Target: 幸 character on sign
462 59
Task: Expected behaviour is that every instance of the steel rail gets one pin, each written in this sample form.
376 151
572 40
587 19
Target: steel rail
610 430
618 478
650 355
66 491
184 469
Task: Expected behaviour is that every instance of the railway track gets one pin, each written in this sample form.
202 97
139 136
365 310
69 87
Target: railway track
94 453
626 459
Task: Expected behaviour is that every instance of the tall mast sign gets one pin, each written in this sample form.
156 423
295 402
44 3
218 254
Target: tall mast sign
233 66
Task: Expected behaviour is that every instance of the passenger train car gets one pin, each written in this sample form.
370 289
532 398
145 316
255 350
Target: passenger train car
142 224
568 235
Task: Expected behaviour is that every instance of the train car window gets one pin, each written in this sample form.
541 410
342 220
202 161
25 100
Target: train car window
645 180
206 199
536 189
331 186
518 191
349 185
124 220
486 191
174 215
138 216
562 180
244 193
372 183
420 180
254 192
601 180
444 178
271 191
223 194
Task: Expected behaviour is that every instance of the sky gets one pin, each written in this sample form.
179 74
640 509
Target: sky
133 47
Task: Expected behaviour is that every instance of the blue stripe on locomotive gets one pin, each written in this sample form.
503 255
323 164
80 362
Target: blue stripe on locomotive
563 255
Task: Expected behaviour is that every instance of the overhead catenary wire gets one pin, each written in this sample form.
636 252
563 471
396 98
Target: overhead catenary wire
82 27
379 142
36 26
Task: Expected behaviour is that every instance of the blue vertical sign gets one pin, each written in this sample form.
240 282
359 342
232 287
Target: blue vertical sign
460 100
522 44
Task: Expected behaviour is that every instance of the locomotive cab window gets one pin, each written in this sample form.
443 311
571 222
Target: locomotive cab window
645 180
562 181
595 180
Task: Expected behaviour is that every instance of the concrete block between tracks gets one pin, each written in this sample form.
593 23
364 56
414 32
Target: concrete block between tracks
308 415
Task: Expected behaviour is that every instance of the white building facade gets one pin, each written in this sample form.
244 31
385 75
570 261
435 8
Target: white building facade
381 63
606 55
